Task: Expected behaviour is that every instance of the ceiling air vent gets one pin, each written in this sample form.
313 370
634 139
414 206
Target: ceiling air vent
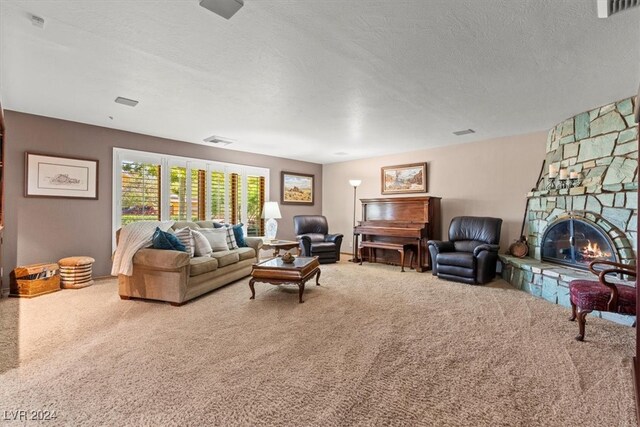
224 8
606 8
464 132
126 101
218 140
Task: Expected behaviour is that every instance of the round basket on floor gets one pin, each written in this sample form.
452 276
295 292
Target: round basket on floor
76 272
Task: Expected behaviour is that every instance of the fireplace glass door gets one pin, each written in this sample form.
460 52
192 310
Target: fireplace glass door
576 242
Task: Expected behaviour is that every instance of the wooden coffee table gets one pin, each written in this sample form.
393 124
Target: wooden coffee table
277 272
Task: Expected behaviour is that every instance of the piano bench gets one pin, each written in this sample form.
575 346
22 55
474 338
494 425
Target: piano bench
402 248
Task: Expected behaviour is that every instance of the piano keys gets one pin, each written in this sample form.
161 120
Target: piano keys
402 220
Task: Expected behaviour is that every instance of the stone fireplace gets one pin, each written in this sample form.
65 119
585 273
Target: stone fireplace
576 241
567 228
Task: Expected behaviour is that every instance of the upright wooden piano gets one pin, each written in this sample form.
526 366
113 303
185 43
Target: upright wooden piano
400 220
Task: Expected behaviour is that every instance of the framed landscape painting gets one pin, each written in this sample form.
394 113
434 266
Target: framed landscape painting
411 178
52 176
297 189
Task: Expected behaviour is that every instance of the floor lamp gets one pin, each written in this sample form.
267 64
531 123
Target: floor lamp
355 183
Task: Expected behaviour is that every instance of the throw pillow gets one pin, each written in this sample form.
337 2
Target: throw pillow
185 237
163 240
202 245
239 235
217 238
231 238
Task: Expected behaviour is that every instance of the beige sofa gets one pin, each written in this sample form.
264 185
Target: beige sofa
174 277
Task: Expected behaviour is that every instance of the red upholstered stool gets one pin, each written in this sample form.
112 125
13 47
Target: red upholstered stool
602 295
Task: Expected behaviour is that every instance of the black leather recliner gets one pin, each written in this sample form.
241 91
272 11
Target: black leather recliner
471 254
312 232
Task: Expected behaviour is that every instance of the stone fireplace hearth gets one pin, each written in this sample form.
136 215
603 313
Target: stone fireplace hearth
601 146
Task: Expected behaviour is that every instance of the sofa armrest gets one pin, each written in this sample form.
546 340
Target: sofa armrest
485 247
256 243
160 259
441 246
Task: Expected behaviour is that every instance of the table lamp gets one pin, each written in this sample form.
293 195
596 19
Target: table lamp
271 212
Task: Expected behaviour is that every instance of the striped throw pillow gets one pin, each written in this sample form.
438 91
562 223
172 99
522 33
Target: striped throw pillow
185 237
231 238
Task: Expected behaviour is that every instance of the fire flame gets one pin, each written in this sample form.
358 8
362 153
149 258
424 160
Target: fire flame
592 250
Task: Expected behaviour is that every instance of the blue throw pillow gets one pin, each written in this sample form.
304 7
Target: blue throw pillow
239 235
164 240
217 225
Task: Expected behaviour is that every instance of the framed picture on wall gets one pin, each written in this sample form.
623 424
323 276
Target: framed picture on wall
411 178
297 188
54 176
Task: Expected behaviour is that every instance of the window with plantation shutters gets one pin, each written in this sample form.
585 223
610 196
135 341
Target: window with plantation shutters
255 202
178 194
198 192
150 186
235 199
218 205
140 192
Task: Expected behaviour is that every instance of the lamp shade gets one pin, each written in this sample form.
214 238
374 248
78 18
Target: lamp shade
355 182
271 210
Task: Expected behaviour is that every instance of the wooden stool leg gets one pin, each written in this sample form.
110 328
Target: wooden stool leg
360 254
401 261
411 259
582 321
573 312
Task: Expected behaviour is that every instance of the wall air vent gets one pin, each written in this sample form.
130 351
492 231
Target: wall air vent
464 132
606 8
126 101
218 140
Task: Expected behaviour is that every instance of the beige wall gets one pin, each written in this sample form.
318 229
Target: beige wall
43 229
486 178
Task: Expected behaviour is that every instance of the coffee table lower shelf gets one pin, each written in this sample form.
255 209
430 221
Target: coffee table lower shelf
277 272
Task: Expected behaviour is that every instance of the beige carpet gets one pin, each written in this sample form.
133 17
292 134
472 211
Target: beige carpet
371 346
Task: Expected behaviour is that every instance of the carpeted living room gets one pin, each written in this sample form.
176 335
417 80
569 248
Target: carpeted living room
228 212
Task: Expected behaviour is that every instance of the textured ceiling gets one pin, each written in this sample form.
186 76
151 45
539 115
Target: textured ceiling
308 79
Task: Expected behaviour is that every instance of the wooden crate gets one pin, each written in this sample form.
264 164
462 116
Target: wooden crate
33 280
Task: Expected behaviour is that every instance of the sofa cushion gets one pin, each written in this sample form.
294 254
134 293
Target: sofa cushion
209 224
201 265
163 240
323 247
231 238
315 237
246 253
217 238
226 257
182 224
239 233
458 259
202 245
185 237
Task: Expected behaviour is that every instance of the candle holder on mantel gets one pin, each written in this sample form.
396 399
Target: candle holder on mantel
563 183
552 183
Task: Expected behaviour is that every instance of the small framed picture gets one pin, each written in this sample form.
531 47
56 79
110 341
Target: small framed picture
297 188
411 178
54 176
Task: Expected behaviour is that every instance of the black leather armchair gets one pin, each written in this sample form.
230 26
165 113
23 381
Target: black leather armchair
471 254
312 232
